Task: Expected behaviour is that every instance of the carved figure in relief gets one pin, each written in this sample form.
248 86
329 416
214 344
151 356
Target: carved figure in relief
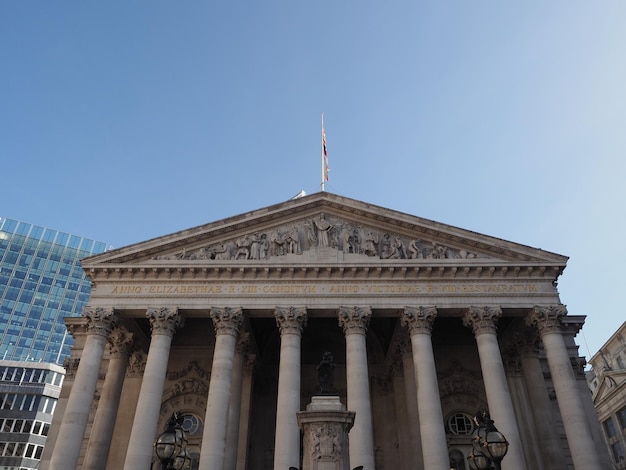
323 231
278 243
222 252
345 239
291 239
254 246
355 241
414 250
243 247
369 244
264 246
310 233
385 247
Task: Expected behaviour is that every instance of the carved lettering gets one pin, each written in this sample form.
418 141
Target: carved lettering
326 288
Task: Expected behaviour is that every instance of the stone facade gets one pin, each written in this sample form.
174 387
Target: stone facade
607 381
227 322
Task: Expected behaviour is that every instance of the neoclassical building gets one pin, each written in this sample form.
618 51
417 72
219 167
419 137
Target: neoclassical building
227 322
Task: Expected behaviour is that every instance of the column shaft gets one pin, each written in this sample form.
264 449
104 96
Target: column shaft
227 322
432 431
549 441
234 412
361 440
577 430
287 439
70 438
144 430
104 421
482 321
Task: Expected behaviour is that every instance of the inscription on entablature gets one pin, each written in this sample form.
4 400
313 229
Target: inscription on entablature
321 236
308 289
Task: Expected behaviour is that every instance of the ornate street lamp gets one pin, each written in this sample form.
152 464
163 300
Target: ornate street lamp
171 446
489 445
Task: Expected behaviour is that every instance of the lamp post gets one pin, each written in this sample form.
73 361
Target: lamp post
171 446
489 445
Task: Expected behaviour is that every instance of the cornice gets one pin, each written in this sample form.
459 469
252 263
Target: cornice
399 270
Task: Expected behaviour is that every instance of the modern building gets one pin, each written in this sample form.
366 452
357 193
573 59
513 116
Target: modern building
607 381
226 324
28 396
41 283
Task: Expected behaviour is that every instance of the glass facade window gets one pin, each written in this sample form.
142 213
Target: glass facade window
40 279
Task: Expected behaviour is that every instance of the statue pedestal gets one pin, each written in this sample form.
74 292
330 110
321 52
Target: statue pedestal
325 425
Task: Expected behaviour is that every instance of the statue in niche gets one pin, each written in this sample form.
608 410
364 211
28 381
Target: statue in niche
414 251
323 231
369 244
326 375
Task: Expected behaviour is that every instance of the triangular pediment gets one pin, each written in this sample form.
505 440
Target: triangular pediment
611 382
326 228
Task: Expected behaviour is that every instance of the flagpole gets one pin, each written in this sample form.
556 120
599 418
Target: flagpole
322 153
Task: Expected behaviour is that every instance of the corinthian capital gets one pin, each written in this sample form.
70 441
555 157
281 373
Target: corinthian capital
354 319
100 321
164 320
547 319
120 342
482 319
419 319
290 320
227 321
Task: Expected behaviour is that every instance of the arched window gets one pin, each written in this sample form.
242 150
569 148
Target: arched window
457 460
460 424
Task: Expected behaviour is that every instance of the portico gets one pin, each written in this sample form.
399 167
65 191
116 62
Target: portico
233 317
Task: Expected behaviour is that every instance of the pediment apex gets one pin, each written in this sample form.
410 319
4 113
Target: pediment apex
611 383
325 223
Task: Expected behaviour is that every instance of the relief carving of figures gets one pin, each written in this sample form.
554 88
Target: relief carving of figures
243 247
369 244
323 231
414 251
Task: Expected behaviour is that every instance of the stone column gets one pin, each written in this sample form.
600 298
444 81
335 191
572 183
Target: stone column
541 408
579 437
246 402
163 322
482 321
432 432
100 322
354 321
120 341
290 320
410 398
227 322
234 407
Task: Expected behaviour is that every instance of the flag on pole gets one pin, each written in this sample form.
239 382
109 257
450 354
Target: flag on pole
326 167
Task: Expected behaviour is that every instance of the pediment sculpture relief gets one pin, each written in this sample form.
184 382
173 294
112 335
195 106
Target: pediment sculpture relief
321 233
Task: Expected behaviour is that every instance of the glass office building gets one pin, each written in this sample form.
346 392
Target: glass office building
41 282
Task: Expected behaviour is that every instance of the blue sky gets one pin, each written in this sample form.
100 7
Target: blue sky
123 121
